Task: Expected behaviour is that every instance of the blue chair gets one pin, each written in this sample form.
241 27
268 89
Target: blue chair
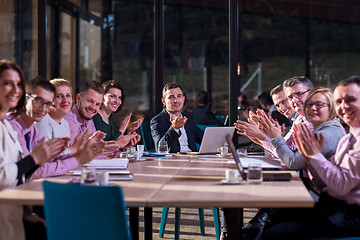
164 216
149 145
165 212
74 211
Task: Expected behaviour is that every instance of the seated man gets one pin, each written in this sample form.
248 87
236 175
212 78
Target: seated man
202 114
88 103
172 125
266 103
337 213
39 98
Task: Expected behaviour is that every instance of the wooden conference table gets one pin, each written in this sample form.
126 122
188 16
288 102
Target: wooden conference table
183 181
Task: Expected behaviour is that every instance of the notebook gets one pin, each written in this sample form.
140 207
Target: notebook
114 163
266 176
214 137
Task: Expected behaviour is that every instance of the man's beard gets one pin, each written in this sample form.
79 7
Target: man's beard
81 113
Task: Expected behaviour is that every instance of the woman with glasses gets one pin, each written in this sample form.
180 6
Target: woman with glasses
113 100
319 110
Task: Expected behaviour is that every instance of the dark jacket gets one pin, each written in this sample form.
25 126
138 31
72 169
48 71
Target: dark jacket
161 127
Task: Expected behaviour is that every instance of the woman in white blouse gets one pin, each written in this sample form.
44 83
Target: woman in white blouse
14 167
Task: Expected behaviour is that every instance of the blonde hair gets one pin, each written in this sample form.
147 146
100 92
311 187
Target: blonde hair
57 82
328 93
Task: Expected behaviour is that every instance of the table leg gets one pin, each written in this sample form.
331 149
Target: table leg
134 222
234 222
148 228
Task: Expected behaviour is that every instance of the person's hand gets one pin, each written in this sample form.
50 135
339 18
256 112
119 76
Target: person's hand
269 126
89 148
74 147
123 140
45 151
178 122
134 125
308 143
135 138
124 123
253 117
249 130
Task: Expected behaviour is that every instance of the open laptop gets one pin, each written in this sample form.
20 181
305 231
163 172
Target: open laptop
214 137
266 176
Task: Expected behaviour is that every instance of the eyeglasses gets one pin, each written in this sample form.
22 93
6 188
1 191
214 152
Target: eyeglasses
318 105
297 95
40 102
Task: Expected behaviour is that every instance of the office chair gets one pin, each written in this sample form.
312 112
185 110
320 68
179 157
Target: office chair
74 211
164 216
149 145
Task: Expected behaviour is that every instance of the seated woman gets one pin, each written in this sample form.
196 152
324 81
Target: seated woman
54 124
113 100
14 167
319 109
337 213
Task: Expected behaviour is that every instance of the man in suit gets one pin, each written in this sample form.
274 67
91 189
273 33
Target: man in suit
202 115
173 126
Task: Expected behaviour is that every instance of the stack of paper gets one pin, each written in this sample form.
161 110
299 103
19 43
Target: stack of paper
114 163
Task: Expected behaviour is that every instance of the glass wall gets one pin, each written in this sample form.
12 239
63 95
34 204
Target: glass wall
277 40
89 46
197 48
132 47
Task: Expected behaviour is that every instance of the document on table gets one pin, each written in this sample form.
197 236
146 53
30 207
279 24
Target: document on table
264 162
114 163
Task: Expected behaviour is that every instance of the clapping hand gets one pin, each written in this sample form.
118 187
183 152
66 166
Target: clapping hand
308 143
45 151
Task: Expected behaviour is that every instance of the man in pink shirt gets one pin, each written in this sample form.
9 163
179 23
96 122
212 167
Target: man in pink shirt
337 214
88 103
40 96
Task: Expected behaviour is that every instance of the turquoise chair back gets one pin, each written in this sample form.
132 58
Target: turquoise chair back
149 145
75 211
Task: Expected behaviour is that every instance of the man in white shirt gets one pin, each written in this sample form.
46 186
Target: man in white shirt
173 126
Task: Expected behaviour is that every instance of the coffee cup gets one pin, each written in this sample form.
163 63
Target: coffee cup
231 175
223 150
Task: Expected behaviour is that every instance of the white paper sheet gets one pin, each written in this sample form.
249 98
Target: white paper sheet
114 163
264 162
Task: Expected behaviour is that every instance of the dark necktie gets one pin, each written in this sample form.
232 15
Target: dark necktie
27 139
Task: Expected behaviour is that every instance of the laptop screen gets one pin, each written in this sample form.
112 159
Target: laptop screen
236 157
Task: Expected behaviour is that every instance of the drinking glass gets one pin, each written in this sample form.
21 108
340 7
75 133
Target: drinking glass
254 174
163 147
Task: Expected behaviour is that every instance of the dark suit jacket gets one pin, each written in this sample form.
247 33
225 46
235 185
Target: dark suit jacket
161 127
203 116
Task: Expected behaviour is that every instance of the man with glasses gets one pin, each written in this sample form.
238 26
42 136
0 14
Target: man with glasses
295 91
39 98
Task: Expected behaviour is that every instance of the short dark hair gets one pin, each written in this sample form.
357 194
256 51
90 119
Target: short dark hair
349 80
171 86
265 98
298 79
93 85
10 65
202 97
39 81
112 84
276 90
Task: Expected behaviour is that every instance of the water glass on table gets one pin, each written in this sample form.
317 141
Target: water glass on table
241 152
163 147
254 174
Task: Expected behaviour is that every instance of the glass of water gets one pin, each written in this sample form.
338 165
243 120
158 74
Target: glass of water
163 147
254 174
